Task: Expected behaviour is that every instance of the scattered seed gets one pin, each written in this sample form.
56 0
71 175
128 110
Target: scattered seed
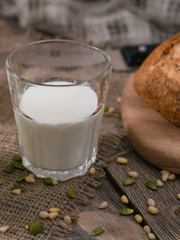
34 227
121 160
126 211
151 236
16 191
15 131
119 99
111 110
128 181
152 210
133 174
146 229
70 193
178 196
67 219
92 170
0 182
124 199
151 202
31 175
106 109
138 218
159 183
30 179
103 205
3 229
165 176
54 182
9 168
97 231
43 214
53 209
18 166
151 185
171 177
21 178
16 157
18 186
47 181
52 215
164 171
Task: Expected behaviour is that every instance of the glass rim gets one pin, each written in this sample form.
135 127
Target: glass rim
88 82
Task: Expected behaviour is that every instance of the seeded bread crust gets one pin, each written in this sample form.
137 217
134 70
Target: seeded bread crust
158 80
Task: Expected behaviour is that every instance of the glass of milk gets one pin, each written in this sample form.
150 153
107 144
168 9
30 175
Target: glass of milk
58 90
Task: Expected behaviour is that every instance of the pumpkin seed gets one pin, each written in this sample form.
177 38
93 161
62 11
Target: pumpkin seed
0 182
21 178
70 193
17 186
9 168
106 109
18 166
97 231
126 211
128 181
16 157
15 131
151 185
47 181
34 227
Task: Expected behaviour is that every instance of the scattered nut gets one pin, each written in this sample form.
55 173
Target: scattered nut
3 229
92 170
119 99
30 179
152 210
43 214
138 218
54 182
178 196
67 219
52 215
146 229
111 110
31 175
171 176
53 209
165 176
16 191
164 172
151 236
159 183
121 160
124 199
103 205
133 174
151 202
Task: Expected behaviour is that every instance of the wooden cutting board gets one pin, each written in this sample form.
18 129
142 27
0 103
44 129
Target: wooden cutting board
153 137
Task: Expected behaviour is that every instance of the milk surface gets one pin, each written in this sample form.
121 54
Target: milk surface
57 130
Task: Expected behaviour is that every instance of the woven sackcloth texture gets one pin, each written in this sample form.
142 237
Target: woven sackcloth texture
16 211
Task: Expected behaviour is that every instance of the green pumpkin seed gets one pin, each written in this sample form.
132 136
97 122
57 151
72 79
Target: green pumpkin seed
47 181
15 131
97 231
34 227
17 186
21 178
70 193
126 211
106 109
128 181
9 168
16 157
18 166
151 185
0 182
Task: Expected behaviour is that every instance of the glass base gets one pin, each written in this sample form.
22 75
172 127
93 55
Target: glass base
60 175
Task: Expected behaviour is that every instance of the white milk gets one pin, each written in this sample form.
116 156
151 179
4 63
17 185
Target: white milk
57 130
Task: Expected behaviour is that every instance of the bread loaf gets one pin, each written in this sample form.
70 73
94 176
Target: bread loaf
158 80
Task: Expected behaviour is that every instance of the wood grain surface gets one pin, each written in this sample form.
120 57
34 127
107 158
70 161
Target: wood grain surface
154 138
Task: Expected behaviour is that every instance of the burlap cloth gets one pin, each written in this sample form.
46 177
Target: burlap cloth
16 211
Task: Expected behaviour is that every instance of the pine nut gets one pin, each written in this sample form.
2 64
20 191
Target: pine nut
133 174
92 170
53 209
30 179
164 171
159 183
103 205
171 176
54 182
151 236
152 210
111 110
121 160
3 229
165 176
124 199
178 196
52 215
146 229
151 202
138 218
43 214
67 219
16 191
31 175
